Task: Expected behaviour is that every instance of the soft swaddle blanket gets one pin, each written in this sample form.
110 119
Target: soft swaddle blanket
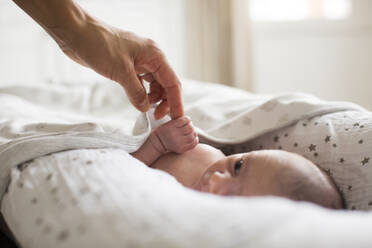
94 198
141 207
42 119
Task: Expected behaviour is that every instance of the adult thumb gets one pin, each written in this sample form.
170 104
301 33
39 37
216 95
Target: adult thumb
136 92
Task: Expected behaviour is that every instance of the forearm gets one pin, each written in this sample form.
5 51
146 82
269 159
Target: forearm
52 13
62 19
151 150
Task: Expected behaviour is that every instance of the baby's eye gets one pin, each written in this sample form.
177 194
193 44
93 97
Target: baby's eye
237 167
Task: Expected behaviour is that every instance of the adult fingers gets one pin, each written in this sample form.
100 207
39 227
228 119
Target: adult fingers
154 97
153 61
148 77
172 86
156 92
161 110
135 90
140 79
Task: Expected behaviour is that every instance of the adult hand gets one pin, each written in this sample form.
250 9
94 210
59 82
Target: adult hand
128 59
115 54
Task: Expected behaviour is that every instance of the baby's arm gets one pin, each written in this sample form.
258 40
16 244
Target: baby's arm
176 136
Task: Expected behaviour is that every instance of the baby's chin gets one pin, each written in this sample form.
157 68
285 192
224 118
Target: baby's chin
203 156
190 165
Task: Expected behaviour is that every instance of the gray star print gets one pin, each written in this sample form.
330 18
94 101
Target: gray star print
312 147
365 161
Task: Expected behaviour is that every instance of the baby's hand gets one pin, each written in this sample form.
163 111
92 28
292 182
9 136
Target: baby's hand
177 135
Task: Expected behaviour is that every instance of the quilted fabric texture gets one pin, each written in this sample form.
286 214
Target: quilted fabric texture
106 198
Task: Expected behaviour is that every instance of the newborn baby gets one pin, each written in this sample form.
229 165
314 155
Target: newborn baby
173 147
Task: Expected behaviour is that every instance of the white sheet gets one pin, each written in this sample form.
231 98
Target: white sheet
115 201
43 119
100 117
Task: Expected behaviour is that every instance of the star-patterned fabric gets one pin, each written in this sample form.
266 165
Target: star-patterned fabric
43 119
106 198
339 143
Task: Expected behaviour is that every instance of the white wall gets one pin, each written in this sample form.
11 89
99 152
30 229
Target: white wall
331 59
28 54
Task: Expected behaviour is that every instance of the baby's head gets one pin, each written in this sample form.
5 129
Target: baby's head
269 172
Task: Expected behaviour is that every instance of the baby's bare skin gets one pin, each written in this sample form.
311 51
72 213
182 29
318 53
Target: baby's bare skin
174 148
188 167
176 136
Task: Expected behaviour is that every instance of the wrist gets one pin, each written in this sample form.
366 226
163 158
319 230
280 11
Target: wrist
157 143
151 150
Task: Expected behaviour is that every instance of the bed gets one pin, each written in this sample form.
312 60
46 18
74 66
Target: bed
67 179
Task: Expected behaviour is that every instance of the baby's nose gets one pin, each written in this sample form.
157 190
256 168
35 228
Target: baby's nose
217 183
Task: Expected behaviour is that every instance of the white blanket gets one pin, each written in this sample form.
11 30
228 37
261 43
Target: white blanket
36 120
148 208
98 198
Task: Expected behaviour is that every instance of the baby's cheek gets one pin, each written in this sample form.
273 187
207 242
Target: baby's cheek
236 189
244 188
224 189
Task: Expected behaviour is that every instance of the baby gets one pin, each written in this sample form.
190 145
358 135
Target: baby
173 147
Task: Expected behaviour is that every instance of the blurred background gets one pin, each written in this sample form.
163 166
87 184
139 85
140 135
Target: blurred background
322 47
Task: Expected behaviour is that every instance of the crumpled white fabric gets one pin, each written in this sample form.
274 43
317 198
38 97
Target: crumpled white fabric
45 118
155 211
106 198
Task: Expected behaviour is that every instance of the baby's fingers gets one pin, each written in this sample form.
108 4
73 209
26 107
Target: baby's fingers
161 110
192 144
187 139
182 121
189 142
187 129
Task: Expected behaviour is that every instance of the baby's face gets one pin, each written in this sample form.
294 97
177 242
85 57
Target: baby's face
253 174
